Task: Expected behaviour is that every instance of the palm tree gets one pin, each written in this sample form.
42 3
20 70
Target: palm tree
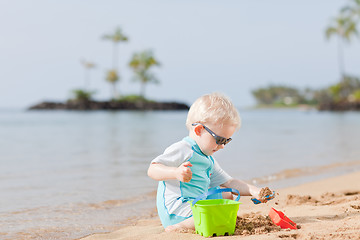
116 38
112 74
112 77
344 27
88 66
352 10
141 63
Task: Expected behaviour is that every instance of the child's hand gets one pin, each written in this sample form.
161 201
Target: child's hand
264 195
183 172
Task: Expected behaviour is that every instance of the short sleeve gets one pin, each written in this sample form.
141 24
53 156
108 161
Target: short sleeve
175 154
219 176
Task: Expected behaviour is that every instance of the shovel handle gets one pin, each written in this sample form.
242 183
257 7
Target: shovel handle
215 191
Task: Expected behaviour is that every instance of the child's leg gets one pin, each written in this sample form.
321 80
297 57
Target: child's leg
187 224
223 195
228 195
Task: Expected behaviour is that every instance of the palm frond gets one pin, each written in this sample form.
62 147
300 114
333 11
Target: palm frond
330 31
117 36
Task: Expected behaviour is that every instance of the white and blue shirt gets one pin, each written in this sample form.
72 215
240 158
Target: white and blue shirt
173 195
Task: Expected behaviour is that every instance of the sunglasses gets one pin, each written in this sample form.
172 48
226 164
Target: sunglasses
219 140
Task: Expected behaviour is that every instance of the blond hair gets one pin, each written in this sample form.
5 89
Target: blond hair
214 108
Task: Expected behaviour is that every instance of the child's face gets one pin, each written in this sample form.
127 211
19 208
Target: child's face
207 142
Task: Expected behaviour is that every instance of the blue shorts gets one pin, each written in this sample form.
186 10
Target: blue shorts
184 208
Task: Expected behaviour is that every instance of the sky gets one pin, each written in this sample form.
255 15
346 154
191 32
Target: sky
203 46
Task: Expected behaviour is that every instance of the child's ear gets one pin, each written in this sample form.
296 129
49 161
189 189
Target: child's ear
198 130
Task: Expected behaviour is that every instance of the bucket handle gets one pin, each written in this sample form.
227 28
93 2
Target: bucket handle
215 191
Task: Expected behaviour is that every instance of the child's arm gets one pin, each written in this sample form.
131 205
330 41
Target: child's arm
244 188
160 172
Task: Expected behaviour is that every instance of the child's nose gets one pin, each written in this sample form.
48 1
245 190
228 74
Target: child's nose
221 146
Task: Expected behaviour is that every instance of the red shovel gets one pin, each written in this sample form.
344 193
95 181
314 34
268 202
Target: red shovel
281 220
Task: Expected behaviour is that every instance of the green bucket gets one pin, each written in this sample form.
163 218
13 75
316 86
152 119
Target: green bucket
215 217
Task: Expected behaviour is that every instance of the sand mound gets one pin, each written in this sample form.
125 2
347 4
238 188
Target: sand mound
299 200
253 223
325 199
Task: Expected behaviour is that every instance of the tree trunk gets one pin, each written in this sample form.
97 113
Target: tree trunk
115 94
115 56
142 89
87 79
115 68
341 60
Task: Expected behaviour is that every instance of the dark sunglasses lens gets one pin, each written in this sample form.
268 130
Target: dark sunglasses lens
220 140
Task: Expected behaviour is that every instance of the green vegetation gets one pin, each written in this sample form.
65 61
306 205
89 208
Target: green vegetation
278 95
352 10
133 98
80 95
112 75
116 38
344 27
338 96
346 91
141 63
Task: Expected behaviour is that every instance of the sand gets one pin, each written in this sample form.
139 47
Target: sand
326 209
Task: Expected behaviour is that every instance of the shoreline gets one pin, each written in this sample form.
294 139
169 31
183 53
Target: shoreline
325 209
296 176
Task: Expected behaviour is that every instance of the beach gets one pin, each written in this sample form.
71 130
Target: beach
85 111
324 209
67 175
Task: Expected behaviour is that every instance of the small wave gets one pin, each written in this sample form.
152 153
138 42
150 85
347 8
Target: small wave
120 202
306 171
107 204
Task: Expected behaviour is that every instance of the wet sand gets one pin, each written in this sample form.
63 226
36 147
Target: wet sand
326 209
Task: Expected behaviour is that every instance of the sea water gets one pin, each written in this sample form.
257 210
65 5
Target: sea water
68 174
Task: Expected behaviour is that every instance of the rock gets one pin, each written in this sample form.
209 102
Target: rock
110 105
340 106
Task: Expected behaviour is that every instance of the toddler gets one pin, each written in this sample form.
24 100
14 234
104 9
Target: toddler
187 169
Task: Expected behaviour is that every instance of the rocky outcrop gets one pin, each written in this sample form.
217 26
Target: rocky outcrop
340 106
110 105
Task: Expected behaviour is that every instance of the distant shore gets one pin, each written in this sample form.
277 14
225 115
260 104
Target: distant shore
336 107
109 105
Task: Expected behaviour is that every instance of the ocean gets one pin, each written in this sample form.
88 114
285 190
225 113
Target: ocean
68 174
